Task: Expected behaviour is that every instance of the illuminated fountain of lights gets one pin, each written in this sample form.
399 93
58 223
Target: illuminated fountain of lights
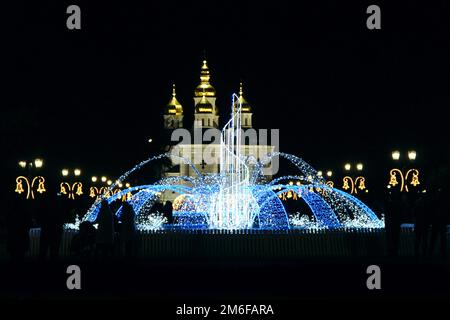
237 197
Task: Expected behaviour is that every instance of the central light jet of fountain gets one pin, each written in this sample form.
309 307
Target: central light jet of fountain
234 206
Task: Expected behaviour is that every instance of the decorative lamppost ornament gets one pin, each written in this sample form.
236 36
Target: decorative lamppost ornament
404 178
354 185
36 184
71 190
68 188
30 186
411 177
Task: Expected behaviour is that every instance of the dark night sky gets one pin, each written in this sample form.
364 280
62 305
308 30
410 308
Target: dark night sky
336 90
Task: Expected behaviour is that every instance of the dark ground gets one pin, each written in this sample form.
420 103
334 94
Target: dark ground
161 286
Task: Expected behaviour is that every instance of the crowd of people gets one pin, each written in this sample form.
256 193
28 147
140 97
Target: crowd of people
105 237
113 236
430 216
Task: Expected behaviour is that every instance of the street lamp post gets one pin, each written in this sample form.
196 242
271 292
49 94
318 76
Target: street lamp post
95 191
407 176
68 188
329 182
326 175
28 183
354 183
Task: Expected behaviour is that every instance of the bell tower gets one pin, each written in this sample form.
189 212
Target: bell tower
206 112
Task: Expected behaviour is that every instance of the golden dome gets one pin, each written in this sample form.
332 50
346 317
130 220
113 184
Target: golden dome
174 107
205 88
246 108
204 106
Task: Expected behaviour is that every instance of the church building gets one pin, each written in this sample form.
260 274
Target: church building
206 116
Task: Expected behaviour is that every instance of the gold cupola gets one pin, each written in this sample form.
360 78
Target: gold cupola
245 105
205 87
174 107
204 106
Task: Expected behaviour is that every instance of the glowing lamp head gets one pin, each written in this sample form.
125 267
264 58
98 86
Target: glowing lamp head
77 172
94 179
329 173
65 172
412 155
22 164
347 166
127 185
395 155
38 163
104 179
319 173
109 182
359 167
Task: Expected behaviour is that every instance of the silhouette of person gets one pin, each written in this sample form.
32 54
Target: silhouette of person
392 222
158 207
422 223
18 226
168 211
51 222
83 243
128 229
105 230
439 222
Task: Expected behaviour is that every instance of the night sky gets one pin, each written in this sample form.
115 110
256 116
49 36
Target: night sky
337 91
